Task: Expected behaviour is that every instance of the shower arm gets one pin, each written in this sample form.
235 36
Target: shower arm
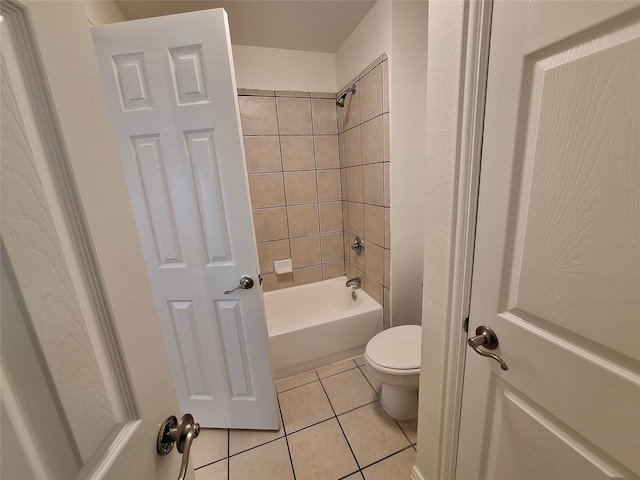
343 95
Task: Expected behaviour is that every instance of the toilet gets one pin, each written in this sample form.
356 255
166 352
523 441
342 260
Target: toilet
393 358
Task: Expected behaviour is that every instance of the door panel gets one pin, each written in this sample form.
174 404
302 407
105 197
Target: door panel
83 372
557 262
171 90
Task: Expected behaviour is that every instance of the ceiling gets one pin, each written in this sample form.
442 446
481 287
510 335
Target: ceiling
314 25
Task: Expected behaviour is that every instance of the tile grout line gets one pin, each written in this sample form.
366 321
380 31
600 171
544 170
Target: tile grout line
286 439
339 424
388 456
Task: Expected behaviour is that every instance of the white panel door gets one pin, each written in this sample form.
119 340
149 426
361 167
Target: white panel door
557 262
171 90
85 382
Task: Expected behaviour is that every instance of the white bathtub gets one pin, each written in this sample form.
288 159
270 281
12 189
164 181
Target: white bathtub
318 324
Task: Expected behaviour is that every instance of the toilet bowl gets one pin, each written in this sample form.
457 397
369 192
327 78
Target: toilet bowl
393 358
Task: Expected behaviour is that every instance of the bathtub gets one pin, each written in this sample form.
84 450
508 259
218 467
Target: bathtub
318 324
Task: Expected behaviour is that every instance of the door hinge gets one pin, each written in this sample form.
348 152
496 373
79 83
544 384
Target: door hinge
260 278
465 324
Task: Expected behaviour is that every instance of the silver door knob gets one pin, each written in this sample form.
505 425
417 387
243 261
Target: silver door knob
246 282
182 435
487 339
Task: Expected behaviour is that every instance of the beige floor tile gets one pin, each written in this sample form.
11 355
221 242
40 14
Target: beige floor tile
359 360
268 462
410 428
214 471
241 440
355 476
374 383
335 368
321 452
211 445
348 390
372 434
397 466
304 406
296 381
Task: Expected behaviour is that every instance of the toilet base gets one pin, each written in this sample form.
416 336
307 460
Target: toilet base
399 403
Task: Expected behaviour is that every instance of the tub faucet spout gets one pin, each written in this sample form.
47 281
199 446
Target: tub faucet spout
354 282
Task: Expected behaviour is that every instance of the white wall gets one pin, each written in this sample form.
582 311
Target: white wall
100 12
278 69
407 130
370 39
446 35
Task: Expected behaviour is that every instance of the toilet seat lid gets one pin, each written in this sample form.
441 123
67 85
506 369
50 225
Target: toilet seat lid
397 347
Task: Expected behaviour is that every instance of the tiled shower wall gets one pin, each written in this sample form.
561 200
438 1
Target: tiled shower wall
363 126
291 147
319 176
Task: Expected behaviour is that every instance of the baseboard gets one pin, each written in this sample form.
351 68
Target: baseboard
415 474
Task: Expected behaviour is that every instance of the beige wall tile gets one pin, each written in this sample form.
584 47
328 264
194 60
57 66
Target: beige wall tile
354 184
387 268
351 109
305 251
387 184
294 116
373 183
324 116
268 252
267 190
374 289
374 262
345 216
297 153
386 307
356 218
292 93
262 154
258 115
385 138
303 220
305 275
256 92
342 150
340 114
270 224
332 270
372 142
329 185
385 86
374 224
371 94
332 248
387 228
343 184
330 95
326 151
300 187
353 148
331 217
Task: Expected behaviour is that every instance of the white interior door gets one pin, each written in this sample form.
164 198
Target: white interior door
171 90
85 381
557 262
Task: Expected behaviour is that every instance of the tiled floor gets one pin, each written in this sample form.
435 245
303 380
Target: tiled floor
334 429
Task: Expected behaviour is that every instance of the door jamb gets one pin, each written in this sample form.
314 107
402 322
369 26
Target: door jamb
467 184
474 25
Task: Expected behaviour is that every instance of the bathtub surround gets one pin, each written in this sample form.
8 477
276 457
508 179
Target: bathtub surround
291 148
319 176
363 126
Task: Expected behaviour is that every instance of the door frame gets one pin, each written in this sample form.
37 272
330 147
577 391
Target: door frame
456 90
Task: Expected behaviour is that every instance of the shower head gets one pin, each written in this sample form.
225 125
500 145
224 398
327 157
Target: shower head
343 95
